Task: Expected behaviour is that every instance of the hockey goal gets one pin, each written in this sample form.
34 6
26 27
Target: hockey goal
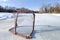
24 25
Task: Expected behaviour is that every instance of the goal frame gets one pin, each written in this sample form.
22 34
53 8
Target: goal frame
15 25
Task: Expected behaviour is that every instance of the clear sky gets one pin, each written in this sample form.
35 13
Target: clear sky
30 4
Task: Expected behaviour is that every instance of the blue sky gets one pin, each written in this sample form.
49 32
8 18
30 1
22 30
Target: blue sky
30 4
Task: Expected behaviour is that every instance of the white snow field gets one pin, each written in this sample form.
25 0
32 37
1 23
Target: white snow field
47 27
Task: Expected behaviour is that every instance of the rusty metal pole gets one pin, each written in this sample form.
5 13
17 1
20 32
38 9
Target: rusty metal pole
33 25
16 18
33 20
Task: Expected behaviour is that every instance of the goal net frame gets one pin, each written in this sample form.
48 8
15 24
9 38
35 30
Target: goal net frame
15 25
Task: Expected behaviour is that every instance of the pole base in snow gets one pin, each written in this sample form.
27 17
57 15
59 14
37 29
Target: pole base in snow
21 35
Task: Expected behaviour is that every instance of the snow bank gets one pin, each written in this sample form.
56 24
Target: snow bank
56 14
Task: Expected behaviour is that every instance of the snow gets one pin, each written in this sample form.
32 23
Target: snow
47 27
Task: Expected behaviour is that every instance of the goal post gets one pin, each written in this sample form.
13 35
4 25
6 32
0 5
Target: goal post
24 25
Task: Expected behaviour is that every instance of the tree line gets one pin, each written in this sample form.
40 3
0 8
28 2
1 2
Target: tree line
44 9
13 9
2 9
50 9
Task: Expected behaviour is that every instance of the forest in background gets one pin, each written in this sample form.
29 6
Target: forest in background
44 9
50 9
14 9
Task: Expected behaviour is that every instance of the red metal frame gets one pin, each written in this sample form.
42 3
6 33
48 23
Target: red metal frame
27 37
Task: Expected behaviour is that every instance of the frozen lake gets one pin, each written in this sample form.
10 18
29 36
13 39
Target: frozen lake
47 27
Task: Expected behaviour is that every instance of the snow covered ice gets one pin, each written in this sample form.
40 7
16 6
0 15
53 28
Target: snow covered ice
47 27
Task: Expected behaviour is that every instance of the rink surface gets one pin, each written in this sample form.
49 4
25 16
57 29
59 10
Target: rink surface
47 27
